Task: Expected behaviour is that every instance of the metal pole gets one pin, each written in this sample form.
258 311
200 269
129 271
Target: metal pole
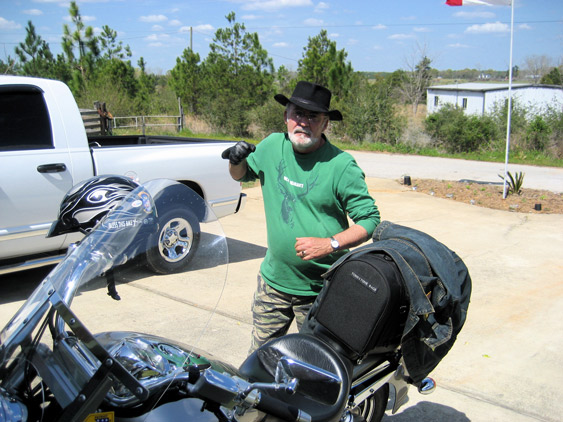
508 120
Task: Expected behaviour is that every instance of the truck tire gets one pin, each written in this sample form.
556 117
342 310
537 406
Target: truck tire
174 246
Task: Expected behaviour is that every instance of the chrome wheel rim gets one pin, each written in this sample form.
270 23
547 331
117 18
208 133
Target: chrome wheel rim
176 239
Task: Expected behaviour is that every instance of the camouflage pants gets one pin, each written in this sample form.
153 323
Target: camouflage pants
273 312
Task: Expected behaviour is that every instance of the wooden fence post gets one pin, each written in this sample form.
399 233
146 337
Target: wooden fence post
181 113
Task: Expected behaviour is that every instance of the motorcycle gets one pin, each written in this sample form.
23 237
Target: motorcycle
53 368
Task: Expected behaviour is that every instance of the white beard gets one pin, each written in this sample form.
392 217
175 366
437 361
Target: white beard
302 140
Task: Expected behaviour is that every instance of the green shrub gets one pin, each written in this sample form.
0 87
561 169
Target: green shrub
370 114
458 132
267 119
518 117
537 134
554 119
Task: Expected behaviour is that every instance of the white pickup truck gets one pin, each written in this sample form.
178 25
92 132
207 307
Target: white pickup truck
44 151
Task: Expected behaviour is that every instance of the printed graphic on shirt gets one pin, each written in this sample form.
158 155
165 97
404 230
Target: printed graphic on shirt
292 192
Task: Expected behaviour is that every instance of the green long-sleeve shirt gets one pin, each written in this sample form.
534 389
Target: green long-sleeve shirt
306 195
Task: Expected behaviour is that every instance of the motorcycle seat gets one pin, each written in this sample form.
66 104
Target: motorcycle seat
261 366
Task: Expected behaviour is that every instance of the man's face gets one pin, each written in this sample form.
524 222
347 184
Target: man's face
304 128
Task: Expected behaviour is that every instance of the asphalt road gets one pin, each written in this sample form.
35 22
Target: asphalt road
507 364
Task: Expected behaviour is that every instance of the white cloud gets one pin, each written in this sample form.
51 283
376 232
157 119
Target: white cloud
401 36
153 18
174 22
251 17
322 6
488 28
157 28
281 45
313 22
377 47
204 28
421 29
272 4
379 26
33 12
524 26
334 35
274 30
458 45
353 41
6 24
472 15
85 18
155 44
157 37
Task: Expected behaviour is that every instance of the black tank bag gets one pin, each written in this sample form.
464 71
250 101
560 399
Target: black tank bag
363 306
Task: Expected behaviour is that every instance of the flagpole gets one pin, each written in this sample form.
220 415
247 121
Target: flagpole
508 119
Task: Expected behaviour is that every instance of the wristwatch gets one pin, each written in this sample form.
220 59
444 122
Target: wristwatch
334 243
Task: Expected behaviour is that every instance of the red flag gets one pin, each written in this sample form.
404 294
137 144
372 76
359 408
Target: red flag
478 2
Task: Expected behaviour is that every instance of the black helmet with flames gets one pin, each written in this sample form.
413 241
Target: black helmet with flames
89 201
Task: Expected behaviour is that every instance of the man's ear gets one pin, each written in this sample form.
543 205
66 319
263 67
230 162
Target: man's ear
285 116
327 121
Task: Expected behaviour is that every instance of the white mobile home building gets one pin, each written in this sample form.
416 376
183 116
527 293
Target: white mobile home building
482 98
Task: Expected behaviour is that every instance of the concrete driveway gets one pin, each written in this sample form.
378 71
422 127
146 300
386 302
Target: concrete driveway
507 364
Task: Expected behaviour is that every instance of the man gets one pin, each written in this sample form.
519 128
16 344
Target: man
310 187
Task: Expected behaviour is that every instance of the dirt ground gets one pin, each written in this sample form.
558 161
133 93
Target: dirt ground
490 196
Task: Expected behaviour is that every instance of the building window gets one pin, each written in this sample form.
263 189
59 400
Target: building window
464 103
436 101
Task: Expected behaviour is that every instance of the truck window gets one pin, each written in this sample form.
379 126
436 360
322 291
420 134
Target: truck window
24 121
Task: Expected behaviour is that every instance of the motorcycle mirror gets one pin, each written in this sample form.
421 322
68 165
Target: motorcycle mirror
313 382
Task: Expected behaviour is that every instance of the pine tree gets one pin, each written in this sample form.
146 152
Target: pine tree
323 64
35 55
238 76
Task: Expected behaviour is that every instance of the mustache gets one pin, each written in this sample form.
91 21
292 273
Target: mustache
302 130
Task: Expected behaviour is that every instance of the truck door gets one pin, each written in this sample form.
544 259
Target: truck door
34 175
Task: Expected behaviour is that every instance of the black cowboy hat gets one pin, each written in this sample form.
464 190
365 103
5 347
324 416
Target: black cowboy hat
311 97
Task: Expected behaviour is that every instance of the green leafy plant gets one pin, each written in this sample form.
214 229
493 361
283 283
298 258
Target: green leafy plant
537 134
458 132
515 182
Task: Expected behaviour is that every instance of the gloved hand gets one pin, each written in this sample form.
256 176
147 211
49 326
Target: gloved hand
238 152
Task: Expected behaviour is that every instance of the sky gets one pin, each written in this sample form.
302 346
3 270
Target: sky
378 35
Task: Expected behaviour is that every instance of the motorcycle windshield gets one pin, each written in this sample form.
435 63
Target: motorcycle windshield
156 226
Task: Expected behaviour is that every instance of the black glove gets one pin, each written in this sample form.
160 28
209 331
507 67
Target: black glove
238 152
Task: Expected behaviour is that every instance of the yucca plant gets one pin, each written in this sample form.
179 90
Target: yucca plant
514 183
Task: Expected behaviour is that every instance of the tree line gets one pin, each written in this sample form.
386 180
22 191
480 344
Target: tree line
232 88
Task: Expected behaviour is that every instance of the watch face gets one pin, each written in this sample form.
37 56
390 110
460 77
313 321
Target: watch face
334 243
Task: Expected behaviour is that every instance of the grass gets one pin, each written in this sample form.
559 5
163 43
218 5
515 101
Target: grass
516 157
